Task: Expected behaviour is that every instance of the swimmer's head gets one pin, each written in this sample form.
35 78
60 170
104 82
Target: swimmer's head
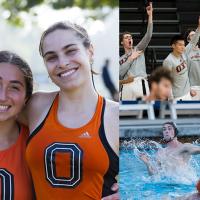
170 131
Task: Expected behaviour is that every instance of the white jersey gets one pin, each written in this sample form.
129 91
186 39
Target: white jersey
194 66
179 69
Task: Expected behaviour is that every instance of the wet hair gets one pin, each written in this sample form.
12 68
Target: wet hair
22 65
176 38
160 73
122 35
173 124
79 30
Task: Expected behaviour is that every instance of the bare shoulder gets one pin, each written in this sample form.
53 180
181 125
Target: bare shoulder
111 123
187 145
38 106
160 152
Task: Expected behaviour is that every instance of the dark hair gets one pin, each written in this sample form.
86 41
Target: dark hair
79 30
122 35
173 124
158 74
12 58
176 38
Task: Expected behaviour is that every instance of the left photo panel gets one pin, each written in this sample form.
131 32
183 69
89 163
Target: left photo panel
59 93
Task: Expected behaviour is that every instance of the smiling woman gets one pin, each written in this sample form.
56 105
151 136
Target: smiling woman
15 89
73 149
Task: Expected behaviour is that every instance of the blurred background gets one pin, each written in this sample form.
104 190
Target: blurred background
23 21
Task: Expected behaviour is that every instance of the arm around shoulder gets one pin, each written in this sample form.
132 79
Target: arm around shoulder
37 107
111 124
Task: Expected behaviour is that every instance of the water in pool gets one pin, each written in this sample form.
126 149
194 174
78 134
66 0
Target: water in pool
136 184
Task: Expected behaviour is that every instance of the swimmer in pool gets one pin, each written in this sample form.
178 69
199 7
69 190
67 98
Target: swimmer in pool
174 158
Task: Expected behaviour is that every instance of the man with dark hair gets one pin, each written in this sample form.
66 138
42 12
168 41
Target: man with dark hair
132 63
160 83
176 61
174 158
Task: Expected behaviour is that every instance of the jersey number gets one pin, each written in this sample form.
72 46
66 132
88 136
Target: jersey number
7 185
75 162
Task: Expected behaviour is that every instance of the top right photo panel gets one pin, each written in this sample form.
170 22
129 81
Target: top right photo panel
159 50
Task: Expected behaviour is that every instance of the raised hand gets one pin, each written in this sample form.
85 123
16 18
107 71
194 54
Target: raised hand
134 55
149 9
144 157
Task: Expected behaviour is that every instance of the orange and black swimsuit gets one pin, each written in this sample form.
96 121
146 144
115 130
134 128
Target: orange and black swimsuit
67 163
15 180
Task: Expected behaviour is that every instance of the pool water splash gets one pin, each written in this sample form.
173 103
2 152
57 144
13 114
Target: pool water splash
166 170
167 179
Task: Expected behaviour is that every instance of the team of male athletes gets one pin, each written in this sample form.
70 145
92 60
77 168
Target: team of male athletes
181 68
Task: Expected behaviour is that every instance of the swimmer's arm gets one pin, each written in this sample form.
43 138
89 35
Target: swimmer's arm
194 149
191 149
151 170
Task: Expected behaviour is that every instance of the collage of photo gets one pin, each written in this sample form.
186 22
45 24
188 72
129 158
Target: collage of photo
100 100
159 79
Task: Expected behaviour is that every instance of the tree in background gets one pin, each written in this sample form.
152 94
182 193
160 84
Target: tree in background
14 7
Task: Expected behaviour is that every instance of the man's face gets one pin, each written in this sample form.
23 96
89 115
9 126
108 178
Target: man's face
164 88
127 41
179 46
168 132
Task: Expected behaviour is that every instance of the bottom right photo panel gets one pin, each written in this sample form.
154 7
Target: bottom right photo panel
159 150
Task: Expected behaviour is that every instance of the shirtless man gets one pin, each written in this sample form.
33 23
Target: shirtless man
175 157
132 63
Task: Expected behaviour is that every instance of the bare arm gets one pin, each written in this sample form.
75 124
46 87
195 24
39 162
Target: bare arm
147 37
115 196
112 127
190 149
128 80
151 170
194 149
36 109
112 135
